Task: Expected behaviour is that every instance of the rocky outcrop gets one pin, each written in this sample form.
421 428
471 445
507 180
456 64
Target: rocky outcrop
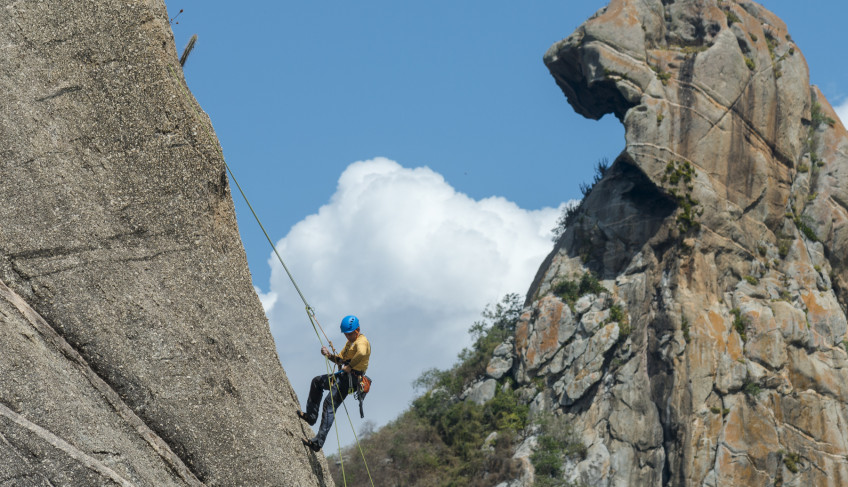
135 351
715 354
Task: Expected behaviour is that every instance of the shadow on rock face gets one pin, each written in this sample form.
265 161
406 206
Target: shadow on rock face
619 216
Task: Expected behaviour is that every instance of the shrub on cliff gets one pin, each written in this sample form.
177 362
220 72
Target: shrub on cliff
557 442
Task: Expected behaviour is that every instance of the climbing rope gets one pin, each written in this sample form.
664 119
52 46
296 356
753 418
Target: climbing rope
357 442
310 312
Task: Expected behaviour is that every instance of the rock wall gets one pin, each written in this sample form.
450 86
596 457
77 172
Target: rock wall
135 351
717 354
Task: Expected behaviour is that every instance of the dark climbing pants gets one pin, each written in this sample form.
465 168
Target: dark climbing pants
339 389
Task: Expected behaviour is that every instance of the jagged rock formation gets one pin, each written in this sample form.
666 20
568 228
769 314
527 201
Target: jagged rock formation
134 349
716 356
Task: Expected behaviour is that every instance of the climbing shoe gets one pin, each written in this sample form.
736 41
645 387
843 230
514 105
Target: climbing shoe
312 444
305 417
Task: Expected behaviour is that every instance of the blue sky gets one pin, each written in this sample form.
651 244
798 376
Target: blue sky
466 147
299 90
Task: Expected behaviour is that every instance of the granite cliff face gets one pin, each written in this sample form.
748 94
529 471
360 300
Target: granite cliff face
717 354
134 349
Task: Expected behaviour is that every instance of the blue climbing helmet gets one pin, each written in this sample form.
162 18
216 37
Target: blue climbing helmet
349 323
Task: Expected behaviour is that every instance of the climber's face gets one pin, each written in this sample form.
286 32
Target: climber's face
352 335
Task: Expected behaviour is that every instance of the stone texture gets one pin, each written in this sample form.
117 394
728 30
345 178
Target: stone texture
584 370
481 392
501 361
552 325
135 349
721 231
47 381
523 453
595 469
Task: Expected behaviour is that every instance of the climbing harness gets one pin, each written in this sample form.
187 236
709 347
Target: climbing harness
310 312
358 384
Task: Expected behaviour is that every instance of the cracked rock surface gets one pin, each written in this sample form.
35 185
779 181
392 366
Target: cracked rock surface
135 350
716 355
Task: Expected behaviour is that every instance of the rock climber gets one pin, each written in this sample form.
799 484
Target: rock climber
353 361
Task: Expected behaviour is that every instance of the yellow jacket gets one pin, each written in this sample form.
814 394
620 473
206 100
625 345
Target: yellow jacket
357 352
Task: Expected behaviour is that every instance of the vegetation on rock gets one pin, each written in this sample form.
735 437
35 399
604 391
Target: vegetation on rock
740 324
557 442
732 18
570 291
617 315
751 388
791 461
677 174
569 213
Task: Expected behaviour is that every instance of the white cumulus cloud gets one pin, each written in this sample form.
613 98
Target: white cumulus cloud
267 299
842 111
414 259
